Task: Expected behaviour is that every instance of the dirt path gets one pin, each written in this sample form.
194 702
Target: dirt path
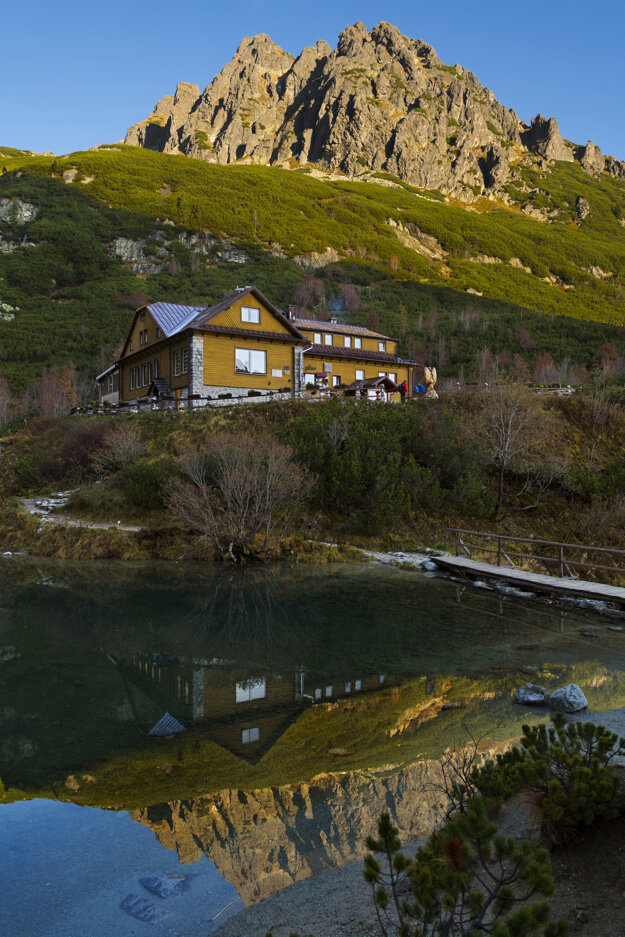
46 508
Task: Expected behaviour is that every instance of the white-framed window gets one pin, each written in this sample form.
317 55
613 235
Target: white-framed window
382 678
250 314
348 687
185 360
250 361
336 380
250 690
317 339
357 343
318 693
347 341
392 377
327 367
145 337
327 338
381 346
357 685
110 384
381 373
360 375
276 372
177 362
250 735
156 367
328 691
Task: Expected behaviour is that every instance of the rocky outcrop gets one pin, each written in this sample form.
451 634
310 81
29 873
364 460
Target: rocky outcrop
15 211
543 137
378 102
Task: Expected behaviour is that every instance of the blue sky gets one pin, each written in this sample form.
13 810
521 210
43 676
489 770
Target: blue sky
77 74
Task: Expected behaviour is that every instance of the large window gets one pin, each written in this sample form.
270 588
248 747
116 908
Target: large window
250 314
248 361
250 690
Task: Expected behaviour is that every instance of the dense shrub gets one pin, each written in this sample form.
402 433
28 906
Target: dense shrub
145 482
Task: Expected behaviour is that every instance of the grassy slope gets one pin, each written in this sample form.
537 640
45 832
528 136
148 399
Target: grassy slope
72 284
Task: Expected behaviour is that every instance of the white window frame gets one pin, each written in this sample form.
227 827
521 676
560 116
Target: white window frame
381 373
336 380
381 346
317 339
250 735
276 372
157 362
347 340
357 685
185 360
327 338
392 377
250 314
110 384
249 690
357 343
242 353
360 374
329 692
177 361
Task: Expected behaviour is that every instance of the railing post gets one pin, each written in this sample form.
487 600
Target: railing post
498 551
457 543
561 560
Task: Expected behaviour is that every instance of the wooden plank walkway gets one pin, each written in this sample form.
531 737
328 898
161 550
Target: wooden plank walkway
532 582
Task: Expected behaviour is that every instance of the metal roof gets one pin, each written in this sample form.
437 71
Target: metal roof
172 317
318 326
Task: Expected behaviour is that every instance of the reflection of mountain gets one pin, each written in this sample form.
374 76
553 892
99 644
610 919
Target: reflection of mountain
264 840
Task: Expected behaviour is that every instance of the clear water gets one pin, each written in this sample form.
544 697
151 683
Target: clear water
276 676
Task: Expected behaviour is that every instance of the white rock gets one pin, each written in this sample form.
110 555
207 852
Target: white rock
568 699
531 695
430 566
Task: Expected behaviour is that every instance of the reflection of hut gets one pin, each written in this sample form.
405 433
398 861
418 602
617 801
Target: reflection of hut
373 388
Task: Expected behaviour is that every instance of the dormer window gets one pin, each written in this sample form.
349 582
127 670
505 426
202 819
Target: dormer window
327 338
250 314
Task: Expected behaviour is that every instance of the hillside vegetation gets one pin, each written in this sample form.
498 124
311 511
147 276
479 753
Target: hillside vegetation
402 259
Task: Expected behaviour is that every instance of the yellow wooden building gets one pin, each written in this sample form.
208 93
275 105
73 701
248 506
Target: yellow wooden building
340 355
242 346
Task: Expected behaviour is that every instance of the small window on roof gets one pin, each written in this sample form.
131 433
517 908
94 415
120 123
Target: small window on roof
381 346
317 339
357 343
327 338
348 341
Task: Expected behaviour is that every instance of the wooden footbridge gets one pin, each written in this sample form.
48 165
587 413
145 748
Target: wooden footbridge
541 554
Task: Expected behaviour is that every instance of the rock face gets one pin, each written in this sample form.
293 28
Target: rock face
569 699
378 102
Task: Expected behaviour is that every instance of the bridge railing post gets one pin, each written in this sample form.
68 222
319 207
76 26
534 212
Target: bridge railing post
498 551
561 561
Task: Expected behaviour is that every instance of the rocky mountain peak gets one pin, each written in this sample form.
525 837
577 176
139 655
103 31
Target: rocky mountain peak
378 102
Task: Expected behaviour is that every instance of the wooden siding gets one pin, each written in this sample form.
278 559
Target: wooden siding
143 322
161 351
338 340
346 368
232 317
219 361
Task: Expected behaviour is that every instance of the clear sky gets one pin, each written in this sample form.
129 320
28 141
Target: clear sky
77 74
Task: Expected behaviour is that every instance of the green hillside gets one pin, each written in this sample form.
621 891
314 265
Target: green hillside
71 297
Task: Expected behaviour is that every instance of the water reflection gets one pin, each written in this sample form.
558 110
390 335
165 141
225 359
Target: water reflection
94 657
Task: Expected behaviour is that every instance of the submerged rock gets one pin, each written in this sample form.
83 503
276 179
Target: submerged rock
568 699
165 886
